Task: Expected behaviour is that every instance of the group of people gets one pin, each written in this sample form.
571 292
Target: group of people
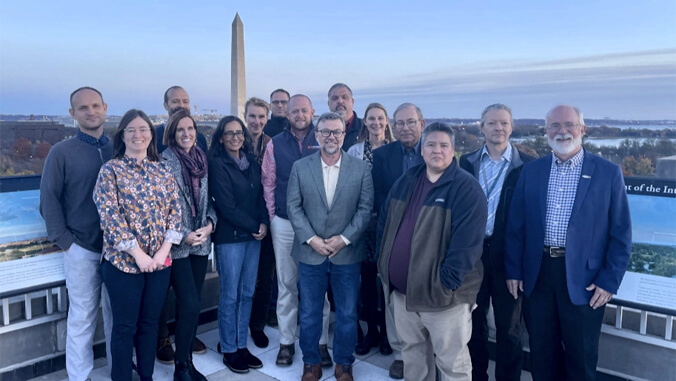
375 217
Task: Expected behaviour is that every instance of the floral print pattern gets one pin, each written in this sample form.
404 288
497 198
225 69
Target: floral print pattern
138 205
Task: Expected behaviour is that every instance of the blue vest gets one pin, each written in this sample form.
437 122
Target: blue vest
286 153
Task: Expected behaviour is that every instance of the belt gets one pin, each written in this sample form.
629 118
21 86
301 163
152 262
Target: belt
555 252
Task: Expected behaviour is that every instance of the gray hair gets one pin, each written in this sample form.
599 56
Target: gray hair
438 127
497 107
330 116
339 85
580 117
407 105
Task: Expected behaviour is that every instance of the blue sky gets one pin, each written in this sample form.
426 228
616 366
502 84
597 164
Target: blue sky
611 58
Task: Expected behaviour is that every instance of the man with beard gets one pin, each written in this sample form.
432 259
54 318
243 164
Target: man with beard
176 98
279 101
568 243
330 199
341 102
294 143
73 224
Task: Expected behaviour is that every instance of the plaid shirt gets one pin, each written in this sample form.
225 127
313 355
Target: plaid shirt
493 172
563 180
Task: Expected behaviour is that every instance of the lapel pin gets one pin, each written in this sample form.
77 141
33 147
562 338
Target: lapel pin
586 177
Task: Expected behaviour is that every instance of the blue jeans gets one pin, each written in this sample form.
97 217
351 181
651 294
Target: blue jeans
314 281
136 301
237 269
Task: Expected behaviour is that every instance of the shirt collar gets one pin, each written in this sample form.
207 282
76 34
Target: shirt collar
507 155
337 165
102 141
416 148
573 161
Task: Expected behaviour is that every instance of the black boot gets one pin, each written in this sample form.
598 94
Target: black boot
196 376
182 371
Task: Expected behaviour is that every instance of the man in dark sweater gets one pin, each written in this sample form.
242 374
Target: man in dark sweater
279 100
73 224
341 102
430 235
497 166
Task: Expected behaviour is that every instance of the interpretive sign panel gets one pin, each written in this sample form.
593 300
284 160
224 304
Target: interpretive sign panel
651 278
27 258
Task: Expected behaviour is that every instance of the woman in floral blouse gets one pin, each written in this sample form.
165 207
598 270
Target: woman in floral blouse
375 133
137 199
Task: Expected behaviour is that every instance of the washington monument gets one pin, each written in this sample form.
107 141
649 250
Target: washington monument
237 74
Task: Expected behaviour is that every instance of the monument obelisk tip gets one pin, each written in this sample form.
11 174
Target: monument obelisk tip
237 73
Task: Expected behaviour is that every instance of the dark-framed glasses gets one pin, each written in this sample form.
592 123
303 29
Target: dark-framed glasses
336 133
231 134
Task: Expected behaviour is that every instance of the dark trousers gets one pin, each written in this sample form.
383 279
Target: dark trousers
313 282
370 313
507 312
136 301
187 277
564 338
261 299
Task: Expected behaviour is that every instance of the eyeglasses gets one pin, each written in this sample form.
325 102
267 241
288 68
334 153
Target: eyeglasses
132 131
568 126
277 103
409 123
231 134
336 133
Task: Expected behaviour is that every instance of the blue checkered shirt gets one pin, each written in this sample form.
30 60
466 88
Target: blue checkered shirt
488 175
563 180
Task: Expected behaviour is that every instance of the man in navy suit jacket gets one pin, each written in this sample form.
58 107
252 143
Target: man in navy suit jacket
389 163
568 244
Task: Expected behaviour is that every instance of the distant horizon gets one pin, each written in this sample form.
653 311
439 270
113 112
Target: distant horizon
450 58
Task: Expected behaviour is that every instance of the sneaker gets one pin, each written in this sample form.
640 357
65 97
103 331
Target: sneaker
285 355
235 362
198 347
326 357
260 339
165 352
251 361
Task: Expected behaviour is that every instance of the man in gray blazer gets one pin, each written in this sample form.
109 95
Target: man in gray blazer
329 203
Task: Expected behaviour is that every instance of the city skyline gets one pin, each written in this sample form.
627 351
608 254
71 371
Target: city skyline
615 60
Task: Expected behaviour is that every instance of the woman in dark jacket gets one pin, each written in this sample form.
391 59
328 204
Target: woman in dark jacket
235 186
188 163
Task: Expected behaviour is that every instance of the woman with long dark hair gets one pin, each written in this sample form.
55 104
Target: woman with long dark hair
235 186
137 200
188 164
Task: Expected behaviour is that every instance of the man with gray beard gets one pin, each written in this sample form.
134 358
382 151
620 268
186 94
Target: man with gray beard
568 243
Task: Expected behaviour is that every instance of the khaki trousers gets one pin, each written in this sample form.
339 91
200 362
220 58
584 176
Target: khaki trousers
426 334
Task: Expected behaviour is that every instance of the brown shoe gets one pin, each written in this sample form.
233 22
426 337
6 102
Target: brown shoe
311 372
198 347
344 372
397 370
285 355
165 352
326 357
